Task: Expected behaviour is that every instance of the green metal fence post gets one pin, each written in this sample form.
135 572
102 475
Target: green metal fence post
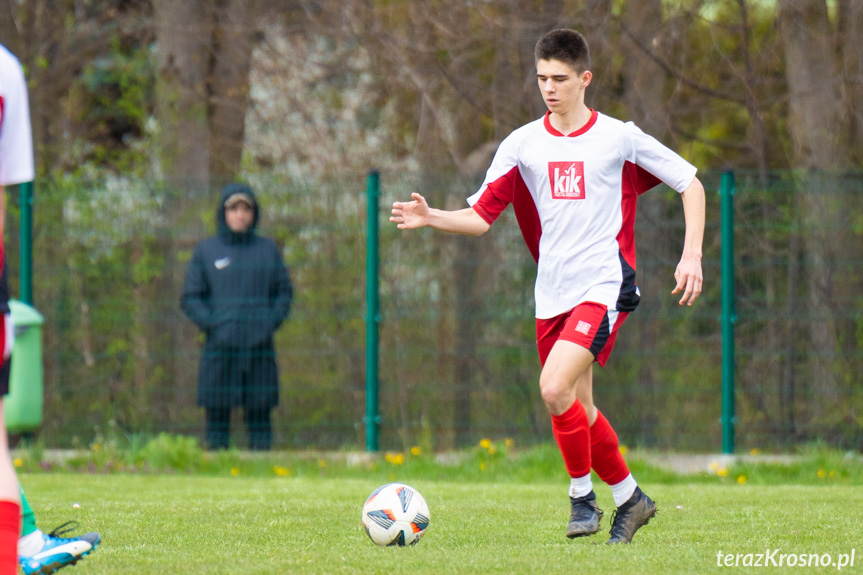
373 419
727 190
25 192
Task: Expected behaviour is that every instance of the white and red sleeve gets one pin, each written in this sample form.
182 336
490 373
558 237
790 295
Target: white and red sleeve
651 156
501 180
16 139
505 185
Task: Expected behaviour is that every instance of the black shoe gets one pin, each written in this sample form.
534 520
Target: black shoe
585 516
630 517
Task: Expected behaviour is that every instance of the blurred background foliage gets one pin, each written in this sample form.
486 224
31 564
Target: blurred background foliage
143 109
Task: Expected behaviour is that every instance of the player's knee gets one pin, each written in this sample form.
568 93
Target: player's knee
554 395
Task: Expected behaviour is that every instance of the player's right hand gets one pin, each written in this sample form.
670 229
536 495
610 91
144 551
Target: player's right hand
410 215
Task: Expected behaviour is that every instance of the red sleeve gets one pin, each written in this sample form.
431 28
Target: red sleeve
640 179
497 196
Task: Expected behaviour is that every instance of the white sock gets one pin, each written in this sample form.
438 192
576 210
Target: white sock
31 544
580 486
623 491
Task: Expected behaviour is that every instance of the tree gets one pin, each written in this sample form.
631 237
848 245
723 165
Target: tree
815 105
204 58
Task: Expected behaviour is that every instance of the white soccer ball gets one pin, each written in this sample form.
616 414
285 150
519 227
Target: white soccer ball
395 514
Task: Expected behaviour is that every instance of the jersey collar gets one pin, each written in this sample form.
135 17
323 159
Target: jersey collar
553 131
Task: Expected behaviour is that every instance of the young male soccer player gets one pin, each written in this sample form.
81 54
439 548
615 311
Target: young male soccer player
34 551
573 178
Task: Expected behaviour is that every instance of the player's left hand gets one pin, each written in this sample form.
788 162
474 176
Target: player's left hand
689 279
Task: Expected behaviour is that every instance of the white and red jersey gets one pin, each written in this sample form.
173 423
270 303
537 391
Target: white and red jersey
574 197
16 140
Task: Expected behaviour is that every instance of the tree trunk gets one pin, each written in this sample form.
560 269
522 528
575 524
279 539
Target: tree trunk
183 32
814 121
850 23
814 100
233 42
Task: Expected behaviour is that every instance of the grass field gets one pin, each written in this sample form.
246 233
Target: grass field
205 524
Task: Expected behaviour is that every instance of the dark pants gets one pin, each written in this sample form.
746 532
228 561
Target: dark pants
257 424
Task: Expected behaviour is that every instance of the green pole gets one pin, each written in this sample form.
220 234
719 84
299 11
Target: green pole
729 312
25 191
373 419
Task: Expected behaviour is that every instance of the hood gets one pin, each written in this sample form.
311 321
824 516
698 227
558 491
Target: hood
224 231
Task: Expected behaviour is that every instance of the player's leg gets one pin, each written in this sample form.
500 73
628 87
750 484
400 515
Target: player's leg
10 506
634 507
39 552
606 459
28 518
10 502
567 366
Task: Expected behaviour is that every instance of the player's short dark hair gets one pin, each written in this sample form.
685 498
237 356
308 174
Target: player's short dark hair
567 46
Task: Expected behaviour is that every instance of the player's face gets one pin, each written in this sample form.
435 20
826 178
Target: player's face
562 87
239 217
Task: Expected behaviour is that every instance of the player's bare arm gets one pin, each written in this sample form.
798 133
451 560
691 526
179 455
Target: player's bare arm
688 274
418 214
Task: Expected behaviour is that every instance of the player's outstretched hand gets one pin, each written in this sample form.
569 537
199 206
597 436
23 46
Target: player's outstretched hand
689 279
410 215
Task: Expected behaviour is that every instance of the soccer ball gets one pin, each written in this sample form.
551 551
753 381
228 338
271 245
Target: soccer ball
395 514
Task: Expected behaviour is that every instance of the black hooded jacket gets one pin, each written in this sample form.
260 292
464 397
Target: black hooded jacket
237 289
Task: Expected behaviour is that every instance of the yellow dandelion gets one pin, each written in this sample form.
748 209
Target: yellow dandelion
398 459
741 479
492 450
415 450
754 451
281 471
482 466
17 462
235 471
485 443
722 472
623 449
822 474
96 447
714 466
509 441
388 457
832 473
322 463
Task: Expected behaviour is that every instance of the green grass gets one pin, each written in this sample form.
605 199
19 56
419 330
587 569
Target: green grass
305 524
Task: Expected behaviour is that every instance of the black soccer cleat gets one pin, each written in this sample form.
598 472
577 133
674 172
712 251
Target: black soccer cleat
585 516
630 517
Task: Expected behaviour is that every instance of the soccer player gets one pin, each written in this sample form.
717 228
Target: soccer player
573 178
20 541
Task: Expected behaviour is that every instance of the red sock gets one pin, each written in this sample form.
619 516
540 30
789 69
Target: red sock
10 530
572 431
605 452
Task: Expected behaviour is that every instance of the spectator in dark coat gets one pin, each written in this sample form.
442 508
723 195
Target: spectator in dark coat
238 292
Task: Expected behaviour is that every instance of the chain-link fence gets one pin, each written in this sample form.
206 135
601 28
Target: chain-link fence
458 359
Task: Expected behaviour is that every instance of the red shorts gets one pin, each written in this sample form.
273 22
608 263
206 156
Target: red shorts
591 325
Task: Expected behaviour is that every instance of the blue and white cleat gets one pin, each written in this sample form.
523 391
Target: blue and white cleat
59 552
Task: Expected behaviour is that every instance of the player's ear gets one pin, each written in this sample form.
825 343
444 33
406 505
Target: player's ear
586 77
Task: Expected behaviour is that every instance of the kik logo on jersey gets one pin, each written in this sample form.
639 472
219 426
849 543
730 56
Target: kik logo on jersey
566 180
